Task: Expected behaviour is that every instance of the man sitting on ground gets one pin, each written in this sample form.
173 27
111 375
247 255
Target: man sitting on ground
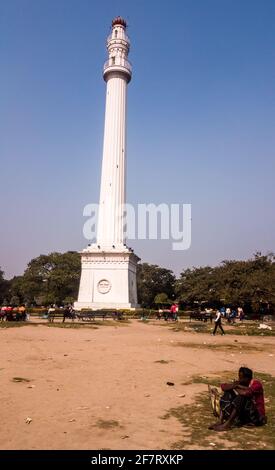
242 402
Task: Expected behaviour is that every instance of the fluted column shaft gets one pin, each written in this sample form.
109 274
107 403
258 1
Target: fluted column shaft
112 191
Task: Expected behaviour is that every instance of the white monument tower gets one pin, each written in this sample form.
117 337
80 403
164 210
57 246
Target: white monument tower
108 274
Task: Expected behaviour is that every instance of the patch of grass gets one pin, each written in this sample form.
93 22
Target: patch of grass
20 379
196 327
221 347
196 417
248 328
200 379
73 325
162 361
16 324
94 324
107 424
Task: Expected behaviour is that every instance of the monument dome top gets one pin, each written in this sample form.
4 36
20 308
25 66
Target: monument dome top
119 20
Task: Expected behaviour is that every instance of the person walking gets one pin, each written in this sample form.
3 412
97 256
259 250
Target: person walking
218 323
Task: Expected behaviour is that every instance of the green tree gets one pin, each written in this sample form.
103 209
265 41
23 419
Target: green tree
14 300
49 279
235 283
16 288
153 280
4 287
161 299
198 284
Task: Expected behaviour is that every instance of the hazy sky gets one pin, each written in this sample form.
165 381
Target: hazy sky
201 115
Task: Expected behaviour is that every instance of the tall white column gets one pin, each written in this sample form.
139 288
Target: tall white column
108 273
117 73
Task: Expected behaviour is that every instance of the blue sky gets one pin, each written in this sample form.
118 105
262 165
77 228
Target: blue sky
201 114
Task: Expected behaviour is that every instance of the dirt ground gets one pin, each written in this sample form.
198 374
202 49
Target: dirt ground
106 387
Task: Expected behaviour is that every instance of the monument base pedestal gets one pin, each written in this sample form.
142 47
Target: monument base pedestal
107 306
108 279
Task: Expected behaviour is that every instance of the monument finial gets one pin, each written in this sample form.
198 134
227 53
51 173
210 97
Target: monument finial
119 20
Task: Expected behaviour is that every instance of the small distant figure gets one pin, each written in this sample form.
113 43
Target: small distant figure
15 314
9 315
232 317
51 313
174 312
144 315
242 403
69 312
22 312
167 314
66 313
218 323
209 313
240 313
159 314
228 313
3 313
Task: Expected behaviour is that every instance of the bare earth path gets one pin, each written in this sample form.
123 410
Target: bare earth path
102 388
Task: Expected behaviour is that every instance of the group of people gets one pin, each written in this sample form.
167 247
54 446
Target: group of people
19 313
68 312
10 313
169 314
227 313
231 315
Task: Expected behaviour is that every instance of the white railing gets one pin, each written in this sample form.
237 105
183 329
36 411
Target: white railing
112 37
118 62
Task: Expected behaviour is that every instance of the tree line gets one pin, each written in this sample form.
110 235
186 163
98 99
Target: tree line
54 278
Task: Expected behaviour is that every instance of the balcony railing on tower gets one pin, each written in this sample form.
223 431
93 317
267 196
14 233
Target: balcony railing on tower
119 62
111 37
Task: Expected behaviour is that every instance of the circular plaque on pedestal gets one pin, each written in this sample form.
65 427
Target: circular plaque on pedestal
104 286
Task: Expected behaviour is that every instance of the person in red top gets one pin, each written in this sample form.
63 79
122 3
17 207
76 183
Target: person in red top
9 315
174 311
242 402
